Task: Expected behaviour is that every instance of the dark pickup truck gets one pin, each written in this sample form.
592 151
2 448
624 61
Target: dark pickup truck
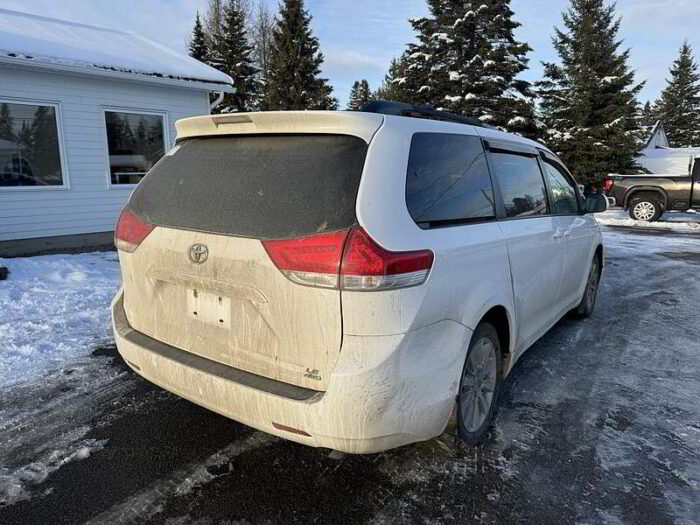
647 197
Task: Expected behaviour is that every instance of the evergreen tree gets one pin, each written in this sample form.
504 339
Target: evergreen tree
44 156
197 46
648 116
589 99
7 123
213 21
360 95
354 94
235 53
295 64
393 85
141 130
467 61
25 138
679 106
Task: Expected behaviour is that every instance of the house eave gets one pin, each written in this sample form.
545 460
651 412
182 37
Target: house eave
23 63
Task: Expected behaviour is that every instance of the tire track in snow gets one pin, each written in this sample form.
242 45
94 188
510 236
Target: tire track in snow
43 425
150 501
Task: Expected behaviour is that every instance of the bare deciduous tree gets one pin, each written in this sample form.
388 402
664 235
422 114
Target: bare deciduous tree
263 23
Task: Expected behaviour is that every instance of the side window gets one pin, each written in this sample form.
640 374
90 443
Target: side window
448 180
563 190
521 183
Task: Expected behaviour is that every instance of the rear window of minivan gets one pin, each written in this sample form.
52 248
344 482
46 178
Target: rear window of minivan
257 186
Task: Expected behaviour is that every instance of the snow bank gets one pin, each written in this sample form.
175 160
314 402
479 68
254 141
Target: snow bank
677 222
53 308
47 40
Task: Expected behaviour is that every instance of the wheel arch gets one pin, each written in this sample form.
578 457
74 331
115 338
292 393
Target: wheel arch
600 253
500 317
646 189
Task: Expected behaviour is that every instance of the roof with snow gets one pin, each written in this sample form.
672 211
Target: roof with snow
657 137
58 44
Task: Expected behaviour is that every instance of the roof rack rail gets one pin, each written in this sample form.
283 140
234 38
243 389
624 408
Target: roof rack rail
387 107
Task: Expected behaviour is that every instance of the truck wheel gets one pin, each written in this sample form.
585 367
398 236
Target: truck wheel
478 388
647 209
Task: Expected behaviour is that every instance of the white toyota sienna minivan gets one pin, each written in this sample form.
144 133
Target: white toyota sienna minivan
349 279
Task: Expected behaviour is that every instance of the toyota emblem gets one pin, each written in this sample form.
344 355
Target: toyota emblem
198 253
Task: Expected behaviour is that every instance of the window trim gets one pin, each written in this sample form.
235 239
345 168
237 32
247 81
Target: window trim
136 111
523 151
452 223
61 146
511 148
550 191
695 173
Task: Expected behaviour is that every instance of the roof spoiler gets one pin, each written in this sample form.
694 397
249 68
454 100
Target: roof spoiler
352 123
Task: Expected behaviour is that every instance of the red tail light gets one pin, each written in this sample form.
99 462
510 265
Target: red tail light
350 260
131 231
368 266
608 184
312 260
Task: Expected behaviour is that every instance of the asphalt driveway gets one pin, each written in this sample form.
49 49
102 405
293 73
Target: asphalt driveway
598 423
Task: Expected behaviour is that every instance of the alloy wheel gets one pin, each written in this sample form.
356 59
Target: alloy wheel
592 284
644 211
478 384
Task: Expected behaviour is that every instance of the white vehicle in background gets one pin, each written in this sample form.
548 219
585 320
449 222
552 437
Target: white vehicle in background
348 279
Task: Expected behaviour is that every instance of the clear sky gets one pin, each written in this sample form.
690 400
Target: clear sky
359 37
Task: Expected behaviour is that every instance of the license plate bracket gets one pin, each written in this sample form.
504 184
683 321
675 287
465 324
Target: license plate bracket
210 308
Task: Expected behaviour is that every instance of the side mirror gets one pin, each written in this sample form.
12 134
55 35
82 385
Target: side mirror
595 203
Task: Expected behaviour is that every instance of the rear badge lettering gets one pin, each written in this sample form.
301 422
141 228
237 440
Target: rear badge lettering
312 374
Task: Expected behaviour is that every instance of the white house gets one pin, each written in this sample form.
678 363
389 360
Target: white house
84 112
657 137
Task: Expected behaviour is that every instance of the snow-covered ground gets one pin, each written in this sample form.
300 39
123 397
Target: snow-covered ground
54 309
688 222
598 423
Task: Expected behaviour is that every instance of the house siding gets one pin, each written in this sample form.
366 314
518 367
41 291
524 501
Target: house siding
88 204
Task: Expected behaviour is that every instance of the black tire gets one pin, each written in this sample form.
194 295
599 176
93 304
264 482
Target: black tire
485 336
587 304
645 208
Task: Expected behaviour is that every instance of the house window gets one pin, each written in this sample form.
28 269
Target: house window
135 141
30 152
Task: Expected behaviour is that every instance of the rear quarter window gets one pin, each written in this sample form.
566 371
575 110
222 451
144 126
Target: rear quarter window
447 180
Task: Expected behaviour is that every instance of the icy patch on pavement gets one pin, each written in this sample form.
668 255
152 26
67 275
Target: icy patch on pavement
676 222
15 485
53 308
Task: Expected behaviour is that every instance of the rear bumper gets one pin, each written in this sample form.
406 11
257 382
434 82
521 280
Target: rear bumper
384 392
